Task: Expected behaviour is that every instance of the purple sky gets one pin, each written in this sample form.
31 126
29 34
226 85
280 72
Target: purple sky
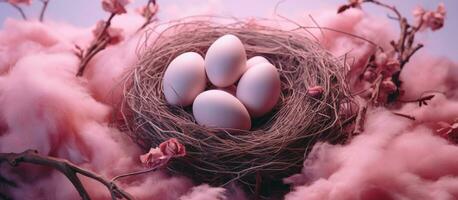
87 12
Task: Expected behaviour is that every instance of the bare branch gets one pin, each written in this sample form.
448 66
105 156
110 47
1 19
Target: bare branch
392 8
43 9
405 116
19 9
97 45
149 17
67 168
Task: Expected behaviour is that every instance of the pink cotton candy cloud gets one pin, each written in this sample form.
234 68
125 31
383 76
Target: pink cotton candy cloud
205 192
392 160
44 106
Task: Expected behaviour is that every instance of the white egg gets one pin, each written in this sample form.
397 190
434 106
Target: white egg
225 61
184 79
219 109
259 89
255 60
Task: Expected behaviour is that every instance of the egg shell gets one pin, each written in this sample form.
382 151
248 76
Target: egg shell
184 79
219 109
255 60
225 61
259 89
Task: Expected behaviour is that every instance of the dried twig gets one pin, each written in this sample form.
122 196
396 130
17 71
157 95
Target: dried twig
387 66
67 168
97 45
404 115
155 159
43 9
149 14
421 101
19 9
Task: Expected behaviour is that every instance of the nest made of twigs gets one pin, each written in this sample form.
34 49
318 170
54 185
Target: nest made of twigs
275 147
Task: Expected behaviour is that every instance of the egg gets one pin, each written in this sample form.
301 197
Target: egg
219 109
184 79
256 60
259 89
225 61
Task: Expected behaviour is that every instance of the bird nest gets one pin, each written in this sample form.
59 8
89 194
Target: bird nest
276 145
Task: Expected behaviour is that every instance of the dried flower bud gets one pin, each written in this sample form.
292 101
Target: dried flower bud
161 155
369 75
115 6
418 12
381 58
392 66
315 91
172 148
150 157
114 34
17 2
146 12
388 86
351 4
430 19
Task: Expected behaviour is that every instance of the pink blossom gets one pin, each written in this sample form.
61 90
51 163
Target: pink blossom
386 63
172 148
430 19
418 12
115 6
153 155
381 58
151 10
369 75
114 34
161 155
390 67
388 86
16 2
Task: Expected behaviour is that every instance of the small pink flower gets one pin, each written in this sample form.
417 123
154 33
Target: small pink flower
315 91
390 67
430 19
17 2
369 75
172 148
160 156
115 6
418 12
150 11
115 35
388 86
153 155
381 58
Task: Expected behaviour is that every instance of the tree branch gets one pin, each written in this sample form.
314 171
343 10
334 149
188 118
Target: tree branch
148 15
43 9
67 168
19 9
97 45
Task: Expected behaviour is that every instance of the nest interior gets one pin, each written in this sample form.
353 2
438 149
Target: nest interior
276 145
